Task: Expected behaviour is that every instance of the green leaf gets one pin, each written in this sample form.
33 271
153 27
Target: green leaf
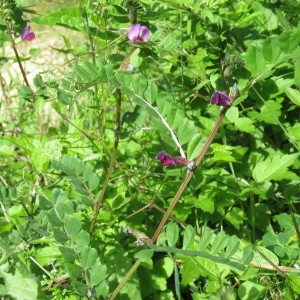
271 49
293 281
250 290
270 112
67 17
195 145
206 237
191 253
236 217
82 239
68 254
144 255
269 239
139 83
124 78
294 95
275 168
19 286
72 225
297 74
38 81
53 218
186 130
255 60
44 203
222 153
289 40
151 92
259 259
4 37
40 159
164 103
117 264
175 116
172 234
47 255
102 291
232 247
64 208
82 74
279 250
205 202
25 92
219 243
136 59
74 270
248 255
98 272
60 236
88 257
80 287
188 237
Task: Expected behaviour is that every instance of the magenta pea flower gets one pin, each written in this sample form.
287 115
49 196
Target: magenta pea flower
27 35
138 33
165 159
220 98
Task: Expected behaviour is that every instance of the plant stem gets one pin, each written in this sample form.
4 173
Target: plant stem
99 202
190 174
13 45
175 200
126 60
116 143
125 279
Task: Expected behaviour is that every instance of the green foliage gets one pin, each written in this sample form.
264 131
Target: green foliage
80 134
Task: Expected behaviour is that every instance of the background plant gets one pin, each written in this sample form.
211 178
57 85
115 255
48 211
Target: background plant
80 135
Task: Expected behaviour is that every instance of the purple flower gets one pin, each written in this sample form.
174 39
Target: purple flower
138 33
165 159
27 35
220 98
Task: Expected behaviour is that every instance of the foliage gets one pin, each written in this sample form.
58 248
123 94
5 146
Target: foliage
81 129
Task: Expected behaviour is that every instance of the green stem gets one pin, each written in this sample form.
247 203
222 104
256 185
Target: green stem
100 200
125 279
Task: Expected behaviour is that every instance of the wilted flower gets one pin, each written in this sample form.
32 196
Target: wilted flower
165 159
138 33
220 98
142 238
27 35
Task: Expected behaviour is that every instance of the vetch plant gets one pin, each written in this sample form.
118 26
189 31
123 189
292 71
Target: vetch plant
207 226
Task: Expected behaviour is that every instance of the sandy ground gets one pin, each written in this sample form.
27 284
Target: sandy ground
40 57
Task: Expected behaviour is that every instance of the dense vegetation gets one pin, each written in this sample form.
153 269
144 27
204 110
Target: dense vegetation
88 207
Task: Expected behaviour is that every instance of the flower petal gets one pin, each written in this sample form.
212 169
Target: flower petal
30 36
134 33
165 159
144 34
25 32
220 98
27 35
